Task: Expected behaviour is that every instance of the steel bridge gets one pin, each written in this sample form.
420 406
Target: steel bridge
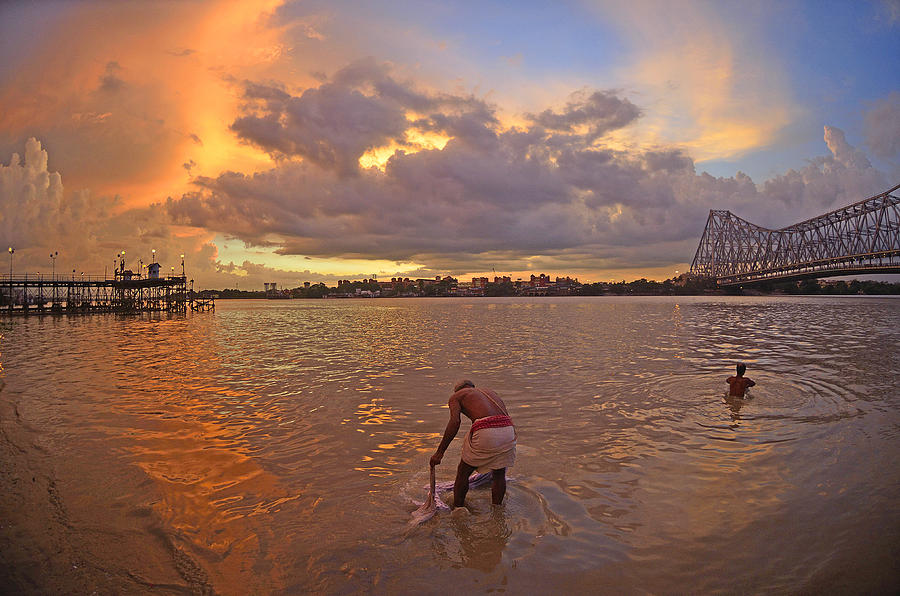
862 238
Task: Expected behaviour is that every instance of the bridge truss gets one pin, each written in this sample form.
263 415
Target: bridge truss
860 238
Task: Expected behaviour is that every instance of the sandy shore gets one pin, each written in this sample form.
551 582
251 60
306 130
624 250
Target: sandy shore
54 541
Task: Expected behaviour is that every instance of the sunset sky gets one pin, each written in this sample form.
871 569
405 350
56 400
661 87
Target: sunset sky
293 141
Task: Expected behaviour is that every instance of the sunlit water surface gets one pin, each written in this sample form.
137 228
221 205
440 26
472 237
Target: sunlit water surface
279 446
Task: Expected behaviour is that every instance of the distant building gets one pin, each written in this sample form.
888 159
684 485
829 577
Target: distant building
540 281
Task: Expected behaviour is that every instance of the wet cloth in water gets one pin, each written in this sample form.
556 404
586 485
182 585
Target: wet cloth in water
490 444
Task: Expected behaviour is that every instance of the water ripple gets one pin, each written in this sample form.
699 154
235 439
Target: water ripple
278 445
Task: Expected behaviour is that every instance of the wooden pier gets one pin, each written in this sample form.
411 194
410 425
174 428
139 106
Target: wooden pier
58 294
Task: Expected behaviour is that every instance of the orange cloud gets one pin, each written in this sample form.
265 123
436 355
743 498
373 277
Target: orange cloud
123 95
707 88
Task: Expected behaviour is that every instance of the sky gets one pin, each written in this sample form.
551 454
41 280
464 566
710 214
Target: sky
289 141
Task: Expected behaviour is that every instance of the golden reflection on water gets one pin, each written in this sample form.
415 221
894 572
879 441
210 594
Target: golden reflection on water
280 447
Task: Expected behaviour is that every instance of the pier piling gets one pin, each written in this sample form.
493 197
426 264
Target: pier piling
39 294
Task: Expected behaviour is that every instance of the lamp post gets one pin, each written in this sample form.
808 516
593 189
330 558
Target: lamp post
153 252
182 266
53 256
11 251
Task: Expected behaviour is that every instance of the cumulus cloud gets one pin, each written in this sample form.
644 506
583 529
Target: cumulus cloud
360 108
38 217
248 275
825 183
516 199
551 192
30 196
554 192
599 112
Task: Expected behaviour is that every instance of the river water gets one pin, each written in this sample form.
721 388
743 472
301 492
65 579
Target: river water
280 446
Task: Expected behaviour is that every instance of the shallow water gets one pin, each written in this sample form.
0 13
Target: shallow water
281 446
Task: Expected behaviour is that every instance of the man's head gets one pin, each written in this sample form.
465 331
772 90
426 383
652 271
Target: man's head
741 369
464 383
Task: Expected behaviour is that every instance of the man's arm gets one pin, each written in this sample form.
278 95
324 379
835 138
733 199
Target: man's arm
449 432
750 383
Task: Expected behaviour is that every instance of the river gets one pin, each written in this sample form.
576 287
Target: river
278 447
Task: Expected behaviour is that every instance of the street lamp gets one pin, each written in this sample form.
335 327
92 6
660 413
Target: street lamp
154 255
53 256
182 265
11 251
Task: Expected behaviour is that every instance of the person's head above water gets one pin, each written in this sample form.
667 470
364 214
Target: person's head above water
741 369
463 383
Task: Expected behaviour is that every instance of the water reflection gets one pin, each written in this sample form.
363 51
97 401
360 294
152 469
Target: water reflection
481 538
735 404
277 447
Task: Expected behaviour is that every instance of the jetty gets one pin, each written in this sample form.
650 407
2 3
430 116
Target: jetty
125 292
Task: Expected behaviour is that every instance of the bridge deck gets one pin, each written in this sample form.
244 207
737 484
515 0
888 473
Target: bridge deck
862 238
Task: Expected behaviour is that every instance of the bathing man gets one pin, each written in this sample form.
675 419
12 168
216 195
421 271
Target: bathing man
737 385
489 445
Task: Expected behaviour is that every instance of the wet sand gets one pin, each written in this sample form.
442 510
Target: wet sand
52 541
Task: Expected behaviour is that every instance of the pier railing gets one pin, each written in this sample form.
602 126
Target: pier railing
41 293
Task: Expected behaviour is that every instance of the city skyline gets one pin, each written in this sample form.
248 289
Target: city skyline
283 141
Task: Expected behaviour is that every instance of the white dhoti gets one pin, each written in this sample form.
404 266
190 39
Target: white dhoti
489 447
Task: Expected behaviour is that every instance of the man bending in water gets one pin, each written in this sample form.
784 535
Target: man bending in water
489 445
737 385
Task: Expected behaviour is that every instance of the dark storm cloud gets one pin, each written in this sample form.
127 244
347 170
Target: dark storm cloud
360 108
547 193
600 111
110 81
330 126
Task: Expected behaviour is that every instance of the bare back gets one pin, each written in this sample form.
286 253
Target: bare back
479 403
738 385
